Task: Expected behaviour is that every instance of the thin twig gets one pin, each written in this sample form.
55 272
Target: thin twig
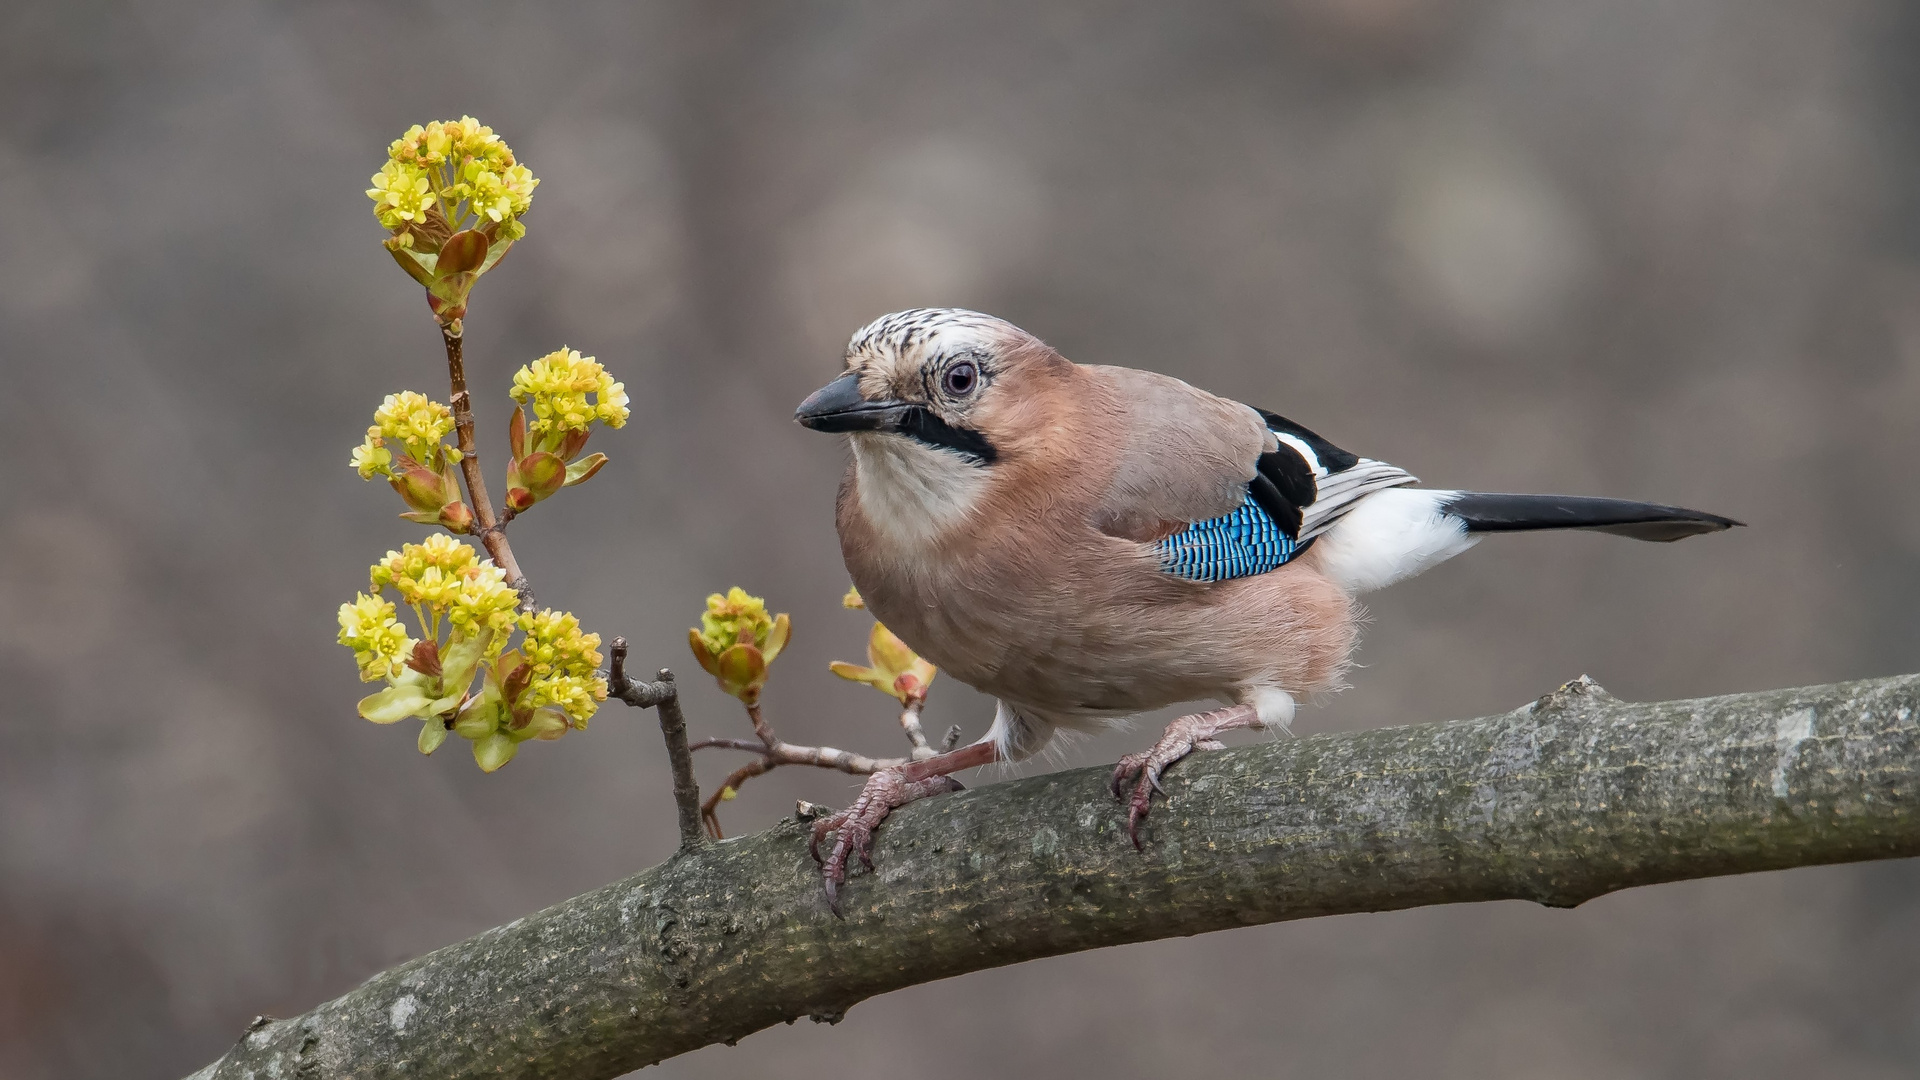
823 757
910 723
486 525
760 727
664 696
770 752
709 810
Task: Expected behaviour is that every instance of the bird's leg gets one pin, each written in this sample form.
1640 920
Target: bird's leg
1182 737
887 791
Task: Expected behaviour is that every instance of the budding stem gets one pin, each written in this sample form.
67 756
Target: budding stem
486 525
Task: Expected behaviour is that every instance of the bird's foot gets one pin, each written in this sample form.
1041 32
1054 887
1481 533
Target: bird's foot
1182 737
886 791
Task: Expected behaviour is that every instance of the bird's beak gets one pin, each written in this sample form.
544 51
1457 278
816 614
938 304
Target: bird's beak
838 406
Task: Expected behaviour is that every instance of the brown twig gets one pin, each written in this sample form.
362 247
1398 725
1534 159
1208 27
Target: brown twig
760 727
770 752
664 696
910 723
709 810
769 756
486 525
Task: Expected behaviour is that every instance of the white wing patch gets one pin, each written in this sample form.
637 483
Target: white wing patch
1300 447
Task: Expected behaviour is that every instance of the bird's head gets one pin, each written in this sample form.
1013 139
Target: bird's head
945 379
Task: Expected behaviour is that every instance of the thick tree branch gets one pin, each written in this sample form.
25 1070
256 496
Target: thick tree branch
1569 798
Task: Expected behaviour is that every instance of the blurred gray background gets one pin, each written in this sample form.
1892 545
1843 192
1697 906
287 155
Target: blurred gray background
1628 248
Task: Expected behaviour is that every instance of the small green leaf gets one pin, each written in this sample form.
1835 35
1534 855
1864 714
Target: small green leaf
418 267
583 470
432 734
742 671
444 705
421 487
394 704
494 751
480 718
495 252
462 656
546 722
541 473
463 252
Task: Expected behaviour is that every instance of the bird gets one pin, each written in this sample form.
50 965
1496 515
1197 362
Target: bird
1086 543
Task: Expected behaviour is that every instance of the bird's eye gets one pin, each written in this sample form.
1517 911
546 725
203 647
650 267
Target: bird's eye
961 378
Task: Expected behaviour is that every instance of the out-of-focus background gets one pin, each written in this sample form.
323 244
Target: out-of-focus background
1626 248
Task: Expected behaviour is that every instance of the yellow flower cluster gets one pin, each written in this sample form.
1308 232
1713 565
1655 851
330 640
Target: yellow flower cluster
442 577
558 384
416 421
372 458
427 573
735 619
370 628
401 196
484 604
458 168
563 661
411 421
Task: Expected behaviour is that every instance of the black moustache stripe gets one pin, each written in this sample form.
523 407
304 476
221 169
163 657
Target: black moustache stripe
921 425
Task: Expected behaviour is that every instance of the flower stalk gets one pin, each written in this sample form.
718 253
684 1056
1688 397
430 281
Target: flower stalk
487 524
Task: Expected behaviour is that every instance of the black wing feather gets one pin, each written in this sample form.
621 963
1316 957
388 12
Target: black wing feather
1315 491
1276 501
1331 457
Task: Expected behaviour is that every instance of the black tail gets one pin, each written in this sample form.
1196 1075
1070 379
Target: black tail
1642 521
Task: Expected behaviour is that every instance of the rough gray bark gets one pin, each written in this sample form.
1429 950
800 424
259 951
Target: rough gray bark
1560 801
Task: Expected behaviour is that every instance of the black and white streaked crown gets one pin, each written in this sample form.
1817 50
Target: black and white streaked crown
902 331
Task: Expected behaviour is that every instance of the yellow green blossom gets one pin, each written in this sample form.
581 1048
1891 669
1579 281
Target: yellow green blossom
736 641
556 386
468 614
412 424
737 618
563 662
401 194
484 604
430 575
370 627
416 422
372 458
459 168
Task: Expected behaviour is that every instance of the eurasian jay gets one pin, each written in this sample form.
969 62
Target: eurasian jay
1088 543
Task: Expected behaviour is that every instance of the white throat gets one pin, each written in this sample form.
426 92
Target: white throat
914 493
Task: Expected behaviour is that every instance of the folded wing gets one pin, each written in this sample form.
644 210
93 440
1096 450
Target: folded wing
1220 489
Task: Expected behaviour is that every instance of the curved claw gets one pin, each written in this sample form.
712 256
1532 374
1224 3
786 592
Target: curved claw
820 830
1136 813
884 793
1182 737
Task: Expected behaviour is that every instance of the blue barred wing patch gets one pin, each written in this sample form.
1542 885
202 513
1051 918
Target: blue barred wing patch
1240 544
